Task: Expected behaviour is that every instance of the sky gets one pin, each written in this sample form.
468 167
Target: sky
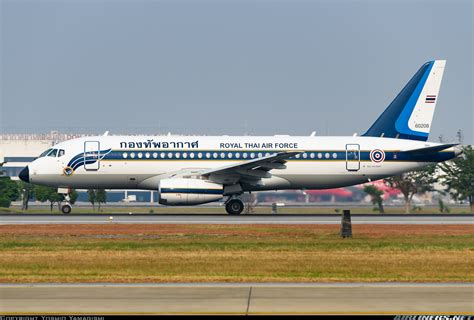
228 67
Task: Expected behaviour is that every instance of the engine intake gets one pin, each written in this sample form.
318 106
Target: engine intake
183 192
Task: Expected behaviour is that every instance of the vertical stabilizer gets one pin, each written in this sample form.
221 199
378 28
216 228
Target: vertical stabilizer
410 114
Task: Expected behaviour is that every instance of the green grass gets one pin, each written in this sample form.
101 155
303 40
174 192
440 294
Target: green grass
236 253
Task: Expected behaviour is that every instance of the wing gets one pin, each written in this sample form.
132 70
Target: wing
250 171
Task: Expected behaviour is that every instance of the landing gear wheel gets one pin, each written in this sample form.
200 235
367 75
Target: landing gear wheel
66 209
234 206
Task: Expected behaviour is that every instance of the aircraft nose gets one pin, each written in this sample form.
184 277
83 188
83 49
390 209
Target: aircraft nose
25 174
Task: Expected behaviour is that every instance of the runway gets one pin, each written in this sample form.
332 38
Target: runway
6 219
391 298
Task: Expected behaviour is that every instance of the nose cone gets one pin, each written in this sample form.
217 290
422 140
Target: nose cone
25 174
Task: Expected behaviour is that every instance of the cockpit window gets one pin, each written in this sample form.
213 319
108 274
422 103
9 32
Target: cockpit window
44 154
53 153
61 152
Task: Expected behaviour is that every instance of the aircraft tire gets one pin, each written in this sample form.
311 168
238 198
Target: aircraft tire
234 207
66 209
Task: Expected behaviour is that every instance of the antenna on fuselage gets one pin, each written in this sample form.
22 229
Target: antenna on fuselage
312 134
106 133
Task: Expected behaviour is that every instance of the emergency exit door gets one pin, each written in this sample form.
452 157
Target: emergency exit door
91 155
352 157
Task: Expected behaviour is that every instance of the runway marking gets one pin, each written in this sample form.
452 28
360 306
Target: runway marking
248 301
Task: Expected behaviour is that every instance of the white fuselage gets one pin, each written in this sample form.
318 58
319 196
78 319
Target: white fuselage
140 162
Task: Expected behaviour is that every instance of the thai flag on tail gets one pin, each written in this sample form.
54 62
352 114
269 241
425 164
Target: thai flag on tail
430 99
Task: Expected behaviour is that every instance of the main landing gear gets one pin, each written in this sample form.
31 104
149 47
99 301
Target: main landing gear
234 206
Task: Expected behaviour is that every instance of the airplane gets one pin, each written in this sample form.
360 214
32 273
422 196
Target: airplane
192 170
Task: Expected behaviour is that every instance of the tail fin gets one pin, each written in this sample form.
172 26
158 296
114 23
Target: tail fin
410 114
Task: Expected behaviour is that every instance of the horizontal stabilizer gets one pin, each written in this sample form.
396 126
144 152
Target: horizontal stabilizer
432 149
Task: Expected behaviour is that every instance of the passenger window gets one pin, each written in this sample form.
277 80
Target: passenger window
53 153
61 153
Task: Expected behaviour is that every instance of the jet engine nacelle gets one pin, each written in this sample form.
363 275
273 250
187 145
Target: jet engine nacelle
182 192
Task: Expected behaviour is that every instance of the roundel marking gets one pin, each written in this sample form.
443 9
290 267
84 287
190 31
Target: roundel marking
377 155
68 171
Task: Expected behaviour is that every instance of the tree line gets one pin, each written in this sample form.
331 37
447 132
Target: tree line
18 190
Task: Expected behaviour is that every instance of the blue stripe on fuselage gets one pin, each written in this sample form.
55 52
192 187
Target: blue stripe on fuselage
310 155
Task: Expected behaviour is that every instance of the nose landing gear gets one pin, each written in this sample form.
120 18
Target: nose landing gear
66 208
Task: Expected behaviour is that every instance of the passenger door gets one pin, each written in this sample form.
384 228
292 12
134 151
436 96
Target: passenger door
92 155
352 157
